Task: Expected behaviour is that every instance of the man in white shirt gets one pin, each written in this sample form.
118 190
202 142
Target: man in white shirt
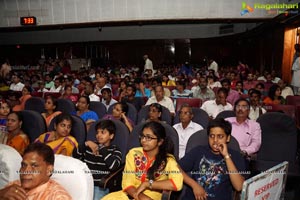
186 127
159 97
148 63
107 99
57 87
256 108
214 107
89 91
214 66
16 83
100 84
285 90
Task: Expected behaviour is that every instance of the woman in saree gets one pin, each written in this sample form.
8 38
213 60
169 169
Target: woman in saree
60 139
149 169
50 107
26 94
15 136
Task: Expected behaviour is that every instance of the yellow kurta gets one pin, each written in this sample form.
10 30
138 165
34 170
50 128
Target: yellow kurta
135 172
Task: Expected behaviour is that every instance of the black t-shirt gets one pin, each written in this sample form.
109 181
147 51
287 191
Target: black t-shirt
210 171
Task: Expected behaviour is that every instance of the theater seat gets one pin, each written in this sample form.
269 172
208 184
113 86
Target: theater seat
74 176
10 163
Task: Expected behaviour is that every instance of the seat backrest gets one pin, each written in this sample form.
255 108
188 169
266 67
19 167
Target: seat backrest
279 138
193 102
289 110
54 94
132 113
33 124
10 164
225 114
78 130
65 106
165 115
37 94
293 100
200 138
74 176
200 117
35 103
98 107
170 131
120 139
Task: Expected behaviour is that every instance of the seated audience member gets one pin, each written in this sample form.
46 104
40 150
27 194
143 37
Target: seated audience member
285 90
239 87
181 91
26 94
16 84
250 82
35 183
107 99
204 93
89 91
166 81
154 113
233 95
84 113
186 127
100 156
214 107
60 139
256 108
156 82
119 113
274 96
141 90
67 94
217 167
48 81
57 87
50 108
149 169
4 111
70 81
130 97
122 86
195 86
15 136
42 87
161 99
261 87
212 81
247 132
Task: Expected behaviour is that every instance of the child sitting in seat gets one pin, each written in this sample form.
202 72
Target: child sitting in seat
4 111
101 157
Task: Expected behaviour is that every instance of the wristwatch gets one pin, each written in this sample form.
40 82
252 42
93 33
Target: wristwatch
227 156
150 184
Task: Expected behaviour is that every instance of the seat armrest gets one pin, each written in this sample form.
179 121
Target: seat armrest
113 180
166 195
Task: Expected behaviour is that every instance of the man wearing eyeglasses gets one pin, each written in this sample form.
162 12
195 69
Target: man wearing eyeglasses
186 127
247 132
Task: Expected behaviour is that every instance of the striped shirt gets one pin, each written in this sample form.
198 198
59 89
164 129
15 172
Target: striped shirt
109 159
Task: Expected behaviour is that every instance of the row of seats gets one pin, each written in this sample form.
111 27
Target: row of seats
279 138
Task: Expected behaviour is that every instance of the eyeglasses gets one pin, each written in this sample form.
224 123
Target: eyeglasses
147 138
